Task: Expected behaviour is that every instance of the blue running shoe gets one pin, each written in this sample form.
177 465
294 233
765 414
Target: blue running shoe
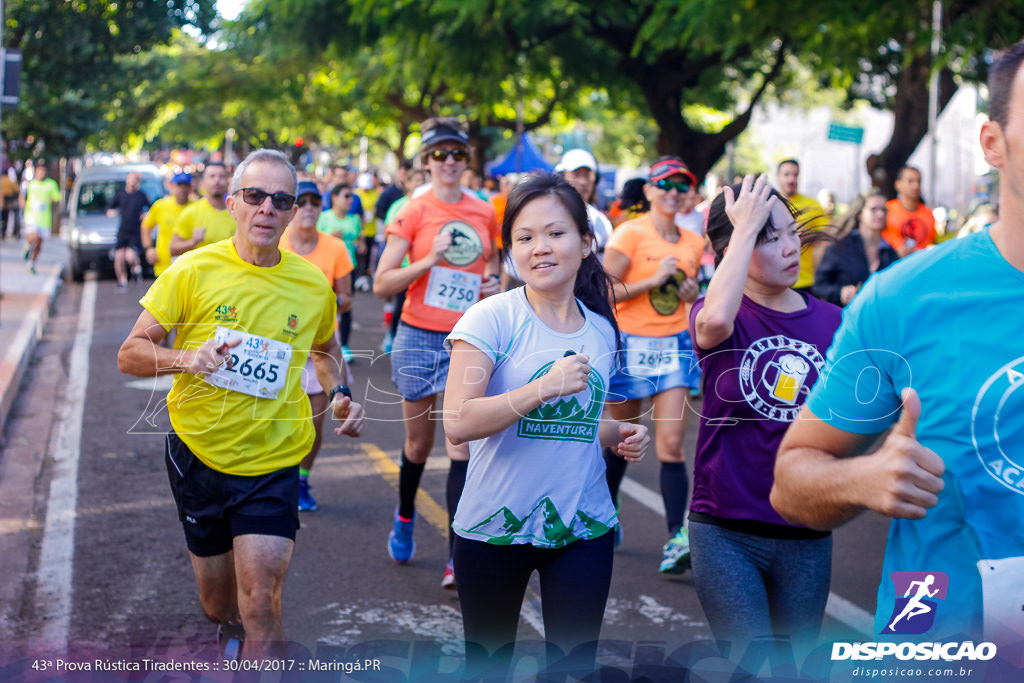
230 639
401 547
306 501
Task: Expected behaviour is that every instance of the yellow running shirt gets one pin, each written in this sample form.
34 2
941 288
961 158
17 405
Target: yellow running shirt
219 224
163 215
811 217
229 431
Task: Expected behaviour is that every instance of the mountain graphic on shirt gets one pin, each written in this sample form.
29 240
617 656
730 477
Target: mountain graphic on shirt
562 410
542 527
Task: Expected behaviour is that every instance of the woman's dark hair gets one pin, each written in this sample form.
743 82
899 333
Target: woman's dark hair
720 226
337 189
593 286
632 197
851 221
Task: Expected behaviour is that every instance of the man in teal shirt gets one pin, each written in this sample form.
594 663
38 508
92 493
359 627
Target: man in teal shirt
931 348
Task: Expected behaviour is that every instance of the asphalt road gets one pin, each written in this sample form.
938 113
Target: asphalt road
101 568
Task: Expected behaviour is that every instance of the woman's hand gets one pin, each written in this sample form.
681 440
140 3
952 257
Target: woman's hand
439 246
751 209
666 269
635 440
847 293
566 377
689 290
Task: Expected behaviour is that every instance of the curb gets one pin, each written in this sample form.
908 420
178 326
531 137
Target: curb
15 362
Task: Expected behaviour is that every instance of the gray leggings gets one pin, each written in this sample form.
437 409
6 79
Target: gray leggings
755 587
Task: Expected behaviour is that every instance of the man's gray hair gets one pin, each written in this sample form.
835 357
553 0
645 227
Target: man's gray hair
266 156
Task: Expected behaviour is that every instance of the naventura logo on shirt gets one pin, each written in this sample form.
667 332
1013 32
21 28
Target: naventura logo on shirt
567 418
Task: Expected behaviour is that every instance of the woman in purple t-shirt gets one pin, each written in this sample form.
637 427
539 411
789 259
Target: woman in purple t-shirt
761 345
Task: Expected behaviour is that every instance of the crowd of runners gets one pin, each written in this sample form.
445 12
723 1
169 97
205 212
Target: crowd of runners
550 335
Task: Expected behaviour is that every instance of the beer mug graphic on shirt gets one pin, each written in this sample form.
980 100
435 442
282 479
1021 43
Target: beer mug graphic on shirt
790 374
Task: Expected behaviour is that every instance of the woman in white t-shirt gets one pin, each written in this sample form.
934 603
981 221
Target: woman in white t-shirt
526 386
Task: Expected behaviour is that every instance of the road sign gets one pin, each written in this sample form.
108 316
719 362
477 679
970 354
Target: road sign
842 133
11 77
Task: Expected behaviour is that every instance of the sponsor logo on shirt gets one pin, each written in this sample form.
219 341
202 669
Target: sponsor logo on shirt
226 313
665 299
776 375
466 246
567 418
293 324
999 400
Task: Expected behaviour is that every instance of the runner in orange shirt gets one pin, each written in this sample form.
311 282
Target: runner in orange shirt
450 239
330 255
655 264
909 224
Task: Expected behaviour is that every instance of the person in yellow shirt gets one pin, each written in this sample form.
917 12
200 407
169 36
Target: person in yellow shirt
163 215
247 315
208 220
811 217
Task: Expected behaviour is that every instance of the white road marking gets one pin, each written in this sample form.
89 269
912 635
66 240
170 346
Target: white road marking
161 383
643 495
839 608
53 591
842 610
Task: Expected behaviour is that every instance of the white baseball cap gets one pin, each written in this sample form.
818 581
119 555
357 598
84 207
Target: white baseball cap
576 158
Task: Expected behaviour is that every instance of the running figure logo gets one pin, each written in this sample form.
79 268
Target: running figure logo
466 245
914 613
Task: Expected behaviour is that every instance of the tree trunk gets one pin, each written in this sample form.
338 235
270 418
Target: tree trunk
910 125
479 143
699 150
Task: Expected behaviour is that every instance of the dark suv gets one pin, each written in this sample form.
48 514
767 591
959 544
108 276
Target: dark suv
93 234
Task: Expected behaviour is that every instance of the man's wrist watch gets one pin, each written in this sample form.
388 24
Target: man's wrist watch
340 389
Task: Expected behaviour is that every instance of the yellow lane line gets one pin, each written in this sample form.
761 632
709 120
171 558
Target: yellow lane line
426 507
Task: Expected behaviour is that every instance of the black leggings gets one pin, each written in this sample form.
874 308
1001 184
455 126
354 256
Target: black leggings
345 326
492 580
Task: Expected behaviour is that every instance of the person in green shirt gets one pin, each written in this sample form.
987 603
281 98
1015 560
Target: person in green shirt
338 222
347 227
41 198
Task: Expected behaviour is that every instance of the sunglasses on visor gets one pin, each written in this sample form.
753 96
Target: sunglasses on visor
441 154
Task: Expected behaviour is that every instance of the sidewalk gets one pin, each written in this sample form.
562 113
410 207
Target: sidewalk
24 310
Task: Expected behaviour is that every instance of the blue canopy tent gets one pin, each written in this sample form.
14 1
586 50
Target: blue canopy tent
523 158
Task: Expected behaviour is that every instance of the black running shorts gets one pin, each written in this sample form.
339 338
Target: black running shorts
214 507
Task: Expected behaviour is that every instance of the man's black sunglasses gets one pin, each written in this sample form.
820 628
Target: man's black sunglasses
282 201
